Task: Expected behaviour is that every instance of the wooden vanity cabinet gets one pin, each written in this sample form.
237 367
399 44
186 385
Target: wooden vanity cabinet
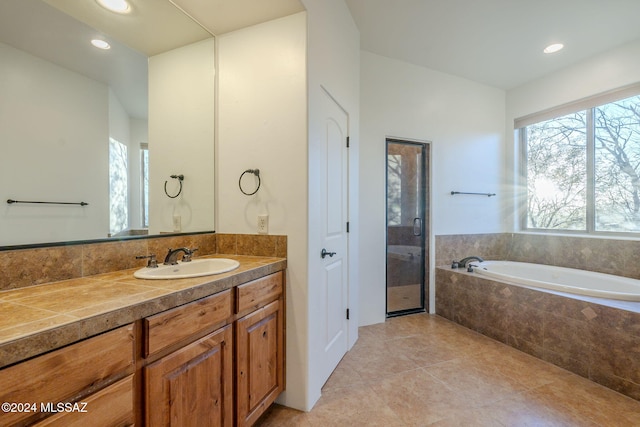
195 353
259 347
192 385
97 371
216 361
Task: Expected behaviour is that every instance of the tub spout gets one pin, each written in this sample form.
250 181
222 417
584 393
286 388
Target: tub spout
464 261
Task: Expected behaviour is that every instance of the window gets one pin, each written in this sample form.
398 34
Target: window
582 170
118 187
394 189
403 183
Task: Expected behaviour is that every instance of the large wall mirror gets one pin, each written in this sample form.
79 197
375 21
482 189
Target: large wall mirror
107 127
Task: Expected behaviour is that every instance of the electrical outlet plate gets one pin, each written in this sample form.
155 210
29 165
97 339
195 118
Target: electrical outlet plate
263 224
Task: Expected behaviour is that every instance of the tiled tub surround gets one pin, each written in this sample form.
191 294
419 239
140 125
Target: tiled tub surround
604 255
587 336
39 318
457 246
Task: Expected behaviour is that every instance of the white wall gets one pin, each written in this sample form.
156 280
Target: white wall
262 124
181 137
119 124
55 146
139 134
333 63
464 122
611 70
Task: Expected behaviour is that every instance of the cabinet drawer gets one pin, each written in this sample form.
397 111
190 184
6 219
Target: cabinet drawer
252 294
65 373
171 326
111 406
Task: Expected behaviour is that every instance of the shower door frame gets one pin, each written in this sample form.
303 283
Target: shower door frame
425 225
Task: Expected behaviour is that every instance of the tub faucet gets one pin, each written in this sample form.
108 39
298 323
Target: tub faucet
463 262
172 256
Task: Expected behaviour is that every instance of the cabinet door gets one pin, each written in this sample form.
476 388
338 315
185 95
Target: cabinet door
193 386
260 361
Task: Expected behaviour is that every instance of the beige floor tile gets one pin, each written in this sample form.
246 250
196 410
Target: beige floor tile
422 370
588 400
477 417
345 375
519 367
424 350
478 387
418 399
525 410
352 407
281 416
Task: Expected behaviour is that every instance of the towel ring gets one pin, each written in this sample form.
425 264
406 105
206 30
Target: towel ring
256 172
180 178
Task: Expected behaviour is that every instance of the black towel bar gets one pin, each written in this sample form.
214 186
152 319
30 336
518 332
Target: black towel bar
11 201
475 194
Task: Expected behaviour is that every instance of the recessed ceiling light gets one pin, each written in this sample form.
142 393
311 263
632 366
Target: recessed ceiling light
552 48
100 44
118 6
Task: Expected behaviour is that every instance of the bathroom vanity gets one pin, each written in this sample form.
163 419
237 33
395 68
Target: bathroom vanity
198 351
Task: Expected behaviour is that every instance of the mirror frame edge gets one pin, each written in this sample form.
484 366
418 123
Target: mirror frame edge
97 241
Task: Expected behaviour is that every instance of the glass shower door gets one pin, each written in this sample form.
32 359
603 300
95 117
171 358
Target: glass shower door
406 226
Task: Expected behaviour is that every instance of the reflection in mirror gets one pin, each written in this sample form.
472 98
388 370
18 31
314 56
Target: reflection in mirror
103 126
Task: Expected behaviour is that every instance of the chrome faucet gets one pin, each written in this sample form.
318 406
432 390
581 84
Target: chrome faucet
172 256
152 263
463 262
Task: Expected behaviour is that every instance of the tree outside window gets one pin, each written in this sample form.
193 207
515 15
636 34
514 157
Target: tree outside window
118 187
583 170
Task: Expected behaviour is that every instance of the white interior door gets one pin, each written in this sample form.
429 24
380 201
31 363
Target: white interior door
334 250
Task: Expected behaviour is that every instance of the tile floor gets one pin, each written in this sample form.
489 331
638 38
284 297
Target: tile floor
403 297
422 370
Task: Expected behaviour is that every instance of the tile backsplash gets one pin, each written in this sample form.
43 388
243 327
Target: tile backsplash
33 266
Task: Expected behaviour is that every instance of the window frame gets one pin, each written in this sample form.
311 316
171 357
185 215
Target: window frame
143 199
520 136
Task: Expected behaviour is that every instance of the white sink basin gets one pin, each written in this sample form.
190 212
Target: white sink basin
195 268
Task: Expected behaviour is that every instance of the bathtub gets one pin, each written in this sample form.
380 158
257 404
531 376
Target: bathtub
562 279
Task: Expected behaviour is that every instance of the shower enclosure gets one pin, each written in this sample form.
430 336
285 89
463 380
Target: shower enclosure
407 226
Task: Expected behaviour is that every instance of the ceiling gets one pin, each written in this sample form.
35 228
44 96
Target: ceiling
223 16
494 42
151 27
59 30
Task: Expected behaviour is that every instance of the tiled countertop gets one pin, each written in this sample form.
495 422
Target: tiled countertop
38 319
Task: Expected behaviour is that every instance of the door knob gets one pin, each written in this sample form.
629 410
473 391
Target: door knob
324 253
